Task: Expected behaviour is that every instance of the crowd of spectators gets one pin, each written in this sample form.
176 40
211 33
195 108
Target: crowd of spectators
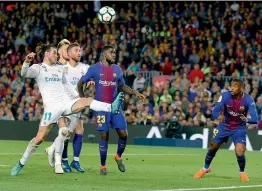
198 43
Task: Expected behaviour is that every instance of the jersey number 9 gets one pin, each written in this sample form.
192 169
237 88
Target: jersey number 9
215 132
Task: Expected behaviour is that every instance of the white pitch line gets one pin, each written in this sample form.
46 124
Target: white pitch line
3 165
128 154
214 188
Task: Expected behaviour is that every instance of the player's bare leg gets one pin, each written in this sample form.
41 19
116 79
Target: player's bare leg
83 103
209 157
241 160
103 145
122 140
77 146
31 148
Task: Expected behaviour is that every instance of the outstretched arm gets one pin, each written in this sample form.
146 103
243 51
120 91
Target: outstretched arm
128 90
32 71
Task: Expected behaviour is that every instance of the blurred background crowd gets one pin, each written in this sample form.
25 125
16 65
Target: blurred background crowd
196 47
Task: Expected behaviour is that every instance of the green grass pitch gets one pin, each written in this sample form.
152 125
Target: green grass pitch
148 168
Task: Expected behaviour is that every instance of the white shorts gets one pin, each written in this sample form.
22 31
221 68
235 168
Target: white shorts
53 112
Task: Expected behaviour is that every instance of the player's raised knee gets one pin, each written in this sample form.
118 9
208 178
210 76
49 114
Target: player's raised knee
63 132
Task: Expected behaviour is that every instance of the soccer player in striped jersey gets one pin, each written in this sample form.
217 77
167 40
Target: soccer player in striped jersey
235 105
109 79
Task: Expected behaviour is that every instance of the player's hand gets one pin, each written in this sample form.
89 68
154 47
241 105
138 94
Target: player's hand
141 96
221 118
90 83
243 118
30 57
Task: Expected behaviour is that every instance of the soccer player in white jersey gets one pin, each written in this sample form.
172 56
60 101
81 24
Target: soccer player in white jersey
74 70
54 86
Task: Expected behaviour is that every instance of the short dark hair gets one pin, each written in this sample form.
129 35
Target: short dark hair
105 48
239 81
75 44
44 48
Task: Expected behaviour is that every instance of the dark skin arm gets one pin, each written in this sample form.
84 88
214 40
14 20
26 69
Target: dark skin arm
131 91
80 86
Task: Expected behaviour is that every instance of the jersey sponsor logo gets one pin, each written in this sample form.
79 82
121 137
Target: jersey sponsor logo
229 105
235 114
54 78
107 83
114 75
101 74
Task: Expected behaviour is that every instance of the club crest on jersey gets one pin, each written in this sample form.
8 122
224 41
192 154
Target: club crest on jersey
66 70
241 108
114 75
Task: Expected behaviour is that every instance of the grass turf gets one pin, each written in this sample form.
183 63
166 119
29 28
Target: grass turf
148 168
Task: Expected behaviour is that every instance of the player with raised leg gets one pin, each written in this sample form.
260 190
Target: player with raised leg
53 86
108 79
235 105
74 69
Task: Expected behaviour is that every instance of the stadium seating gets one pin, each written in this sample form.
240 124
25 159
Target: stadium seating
202 46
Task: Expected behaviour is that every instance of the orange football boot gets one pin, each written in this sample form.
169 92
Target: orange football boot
202 172
103 170
243 177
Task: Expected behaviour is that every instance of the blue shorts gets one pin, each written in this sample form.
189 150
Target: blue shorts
220 135
106 119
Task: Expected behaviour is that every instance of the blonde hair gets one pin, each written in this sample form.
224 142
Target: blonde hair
62 42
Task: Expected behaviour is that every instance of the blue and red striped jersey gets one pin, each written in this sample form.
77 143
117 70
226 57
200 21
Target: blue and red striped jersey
233 109
107 80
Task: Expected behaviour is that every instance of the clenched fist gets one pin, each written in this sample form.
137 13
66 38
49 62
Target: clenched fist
30 57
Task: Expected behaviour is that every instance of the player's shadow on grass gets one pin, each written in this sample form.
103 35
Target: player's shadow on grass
217 176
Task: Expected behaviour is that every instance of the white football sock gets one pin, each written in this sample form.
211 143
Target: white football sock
52 147
58 158
100 106
59 144
31 148
76 159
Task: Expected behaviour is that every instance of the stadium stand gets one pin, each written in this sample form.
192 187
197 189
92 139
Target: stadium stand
197 48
